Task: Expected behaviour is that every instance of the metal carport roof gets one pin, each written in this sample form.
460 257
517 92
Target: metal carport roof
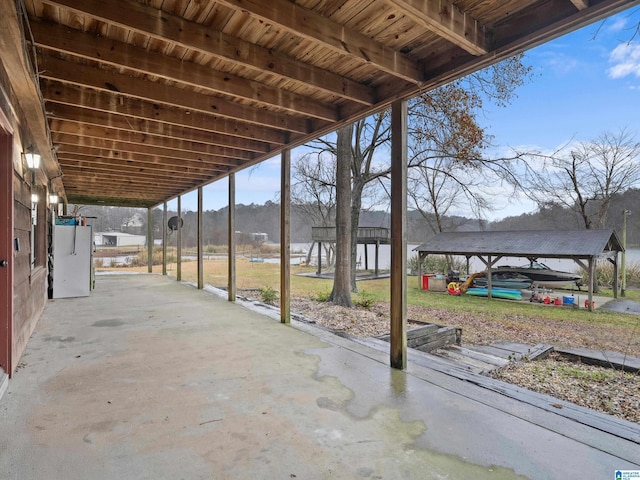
578 245
527 243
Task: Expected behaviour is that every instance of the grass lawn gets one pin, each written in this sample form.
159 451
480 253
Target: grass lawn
256 275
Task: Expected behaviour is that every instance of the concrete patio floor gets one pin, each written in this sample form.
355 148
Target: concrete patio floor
151 379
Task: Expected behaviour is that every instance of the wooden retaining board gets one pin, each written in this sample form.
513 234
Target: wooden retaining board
604 358
514 351
430 336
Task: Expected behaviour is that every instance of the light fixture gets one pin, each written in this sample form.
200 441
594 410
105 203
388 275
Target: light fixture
53 198
33 160
34 198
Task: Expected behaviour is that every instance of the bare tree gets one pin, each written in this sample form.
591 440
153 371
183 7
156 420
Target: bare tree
314 192
447 144
585 177
446 128
341 293
367 135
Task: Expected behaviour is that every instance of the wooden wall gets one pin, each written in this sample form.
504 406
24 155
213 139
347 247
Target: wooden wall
30 285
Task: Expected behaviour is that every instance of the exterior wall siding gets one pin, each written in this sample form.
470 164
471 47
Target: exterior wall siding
30 284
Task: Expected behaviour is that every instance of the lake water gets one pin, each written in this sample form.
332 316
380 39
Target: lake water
384 259
475 265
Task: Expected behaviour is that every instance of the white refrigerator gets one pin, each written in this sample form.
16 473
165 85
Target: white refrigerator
72 261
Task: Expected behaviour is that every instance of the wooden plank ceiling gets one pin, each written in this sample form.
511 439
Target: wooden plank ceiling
149 99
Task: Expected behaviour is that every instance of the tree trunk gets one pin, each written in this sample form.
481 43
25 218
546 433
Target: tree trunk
341 293
356 206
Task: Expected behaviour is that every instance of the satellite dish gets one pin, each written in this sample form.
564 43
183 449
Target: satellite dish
173 223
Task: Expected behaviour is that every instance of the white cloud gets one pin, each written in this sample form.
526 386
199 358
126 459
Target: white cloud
625 60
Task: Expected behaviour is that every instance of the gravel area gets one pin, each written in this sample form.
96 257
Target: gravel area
610 391
599 388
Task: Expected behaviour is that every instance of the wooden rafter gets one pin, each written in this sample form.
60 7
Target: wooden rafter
147 20
308 24
446 19
119 54
155 92
182 143
90 102
214 156
177 94
580 4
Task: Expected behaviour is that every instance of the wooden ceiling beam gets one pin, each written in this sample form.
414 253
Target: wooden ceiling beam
84 175
209 158
126 191
66 127
580 4
118 183
171 168
313 26
210 126
147 20
126 86
119 54
446 20
140 157
120 201
158 179
541 22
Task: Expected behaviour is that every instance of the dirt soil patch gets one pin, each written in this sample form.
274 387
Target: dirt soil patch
599 388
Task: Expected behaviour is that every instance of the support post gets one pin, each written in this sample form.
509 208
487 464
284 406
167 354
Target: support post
231 281
200 242
164 238
489 281
377 268
285 237
623 267
398 331
149 240
366 256
592 276
179 242
616 272
319 270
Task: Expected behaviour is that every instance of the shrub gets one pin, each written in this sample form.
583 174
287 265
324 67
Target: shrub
216 249
437 264
268 295
321 296
365 300
604 274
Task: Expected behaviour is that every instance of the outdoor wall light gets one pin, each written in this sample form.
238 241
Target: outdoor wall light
53 198
33 160
34 198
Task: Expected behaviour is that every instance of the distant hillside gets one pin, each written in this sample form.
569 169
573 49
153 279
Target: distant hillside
266 219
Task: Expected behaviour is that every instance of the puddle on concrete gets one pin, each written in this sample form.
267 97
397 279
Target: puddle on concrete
58 338
378 431
108 323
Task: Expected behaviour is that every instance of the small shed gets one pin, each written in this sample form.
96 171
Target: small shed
582 246
121 239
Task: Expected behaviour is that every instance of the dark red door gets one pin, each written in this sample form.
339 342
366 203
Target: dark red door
6 245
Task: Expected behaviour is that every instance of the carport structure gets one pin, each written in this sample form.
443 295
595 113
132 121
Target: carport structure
135 103
582 246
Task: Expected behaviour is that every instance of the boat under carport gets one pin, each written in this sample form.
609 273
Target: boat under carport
584 247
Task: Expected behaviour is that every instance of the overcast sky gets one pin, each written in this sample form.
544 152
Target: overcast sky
583 84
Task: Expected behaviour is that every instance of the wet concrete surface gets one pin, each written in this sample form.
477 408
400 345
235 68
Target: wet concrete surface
622 306
151 379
